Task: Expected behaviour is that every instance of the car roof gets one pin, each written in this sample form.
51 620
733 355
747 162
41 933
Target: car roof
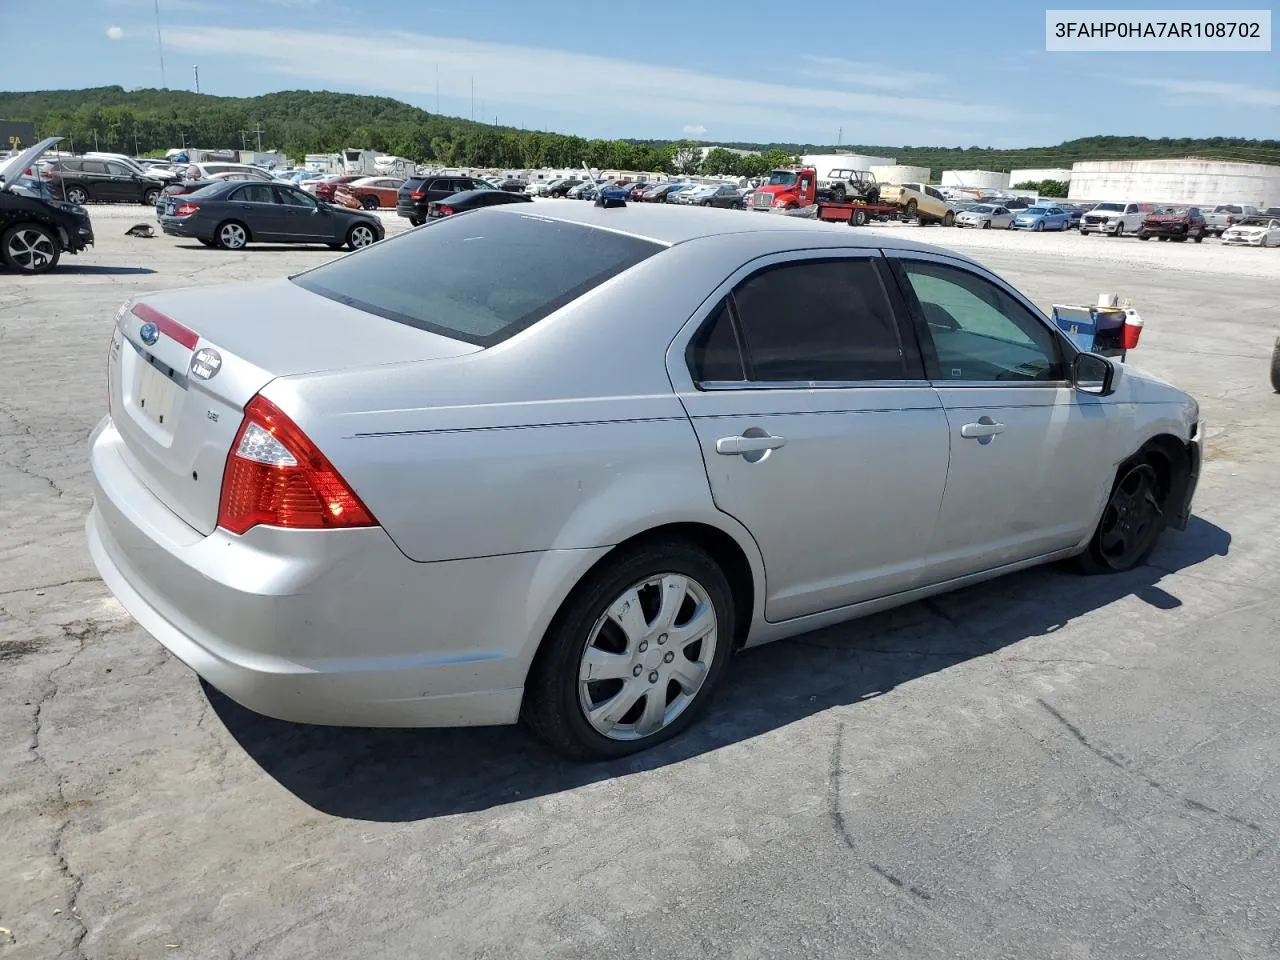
673 224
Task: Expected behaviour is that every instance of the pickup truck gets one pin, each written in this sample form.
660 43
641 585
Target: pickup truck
1225 214
1114 219
921 201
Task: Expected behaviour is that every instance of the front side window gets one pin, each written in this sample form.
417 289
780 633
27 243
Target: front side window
979 332
818 321
119 170
295 198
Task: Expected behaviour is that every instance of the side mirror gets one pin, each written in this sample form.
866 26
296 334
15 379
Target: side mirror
1093 375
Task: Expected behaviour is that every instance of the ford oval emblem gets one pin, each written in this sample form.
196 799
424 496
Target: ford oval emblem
206 363
149 333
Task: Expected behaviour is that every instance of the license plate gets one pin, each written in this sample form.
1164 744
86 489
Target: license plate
157 395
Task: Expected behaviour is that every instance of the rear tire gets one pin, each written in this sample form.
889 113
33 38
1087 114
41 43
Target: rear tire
232 235
30 248
949 219
369 203
1131 522
76 195
857 218
558 691
1275 367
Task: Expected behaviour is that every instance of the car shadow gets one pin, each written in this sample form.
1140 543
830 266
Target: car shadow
395 775
95 269
320 246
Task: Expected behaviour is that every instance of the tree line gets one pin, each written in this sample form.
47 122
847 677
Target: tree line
299 122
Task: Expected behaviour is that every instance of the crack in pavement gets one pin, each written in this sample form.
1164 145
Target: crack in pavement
82 632
1134 772
50 586
835 776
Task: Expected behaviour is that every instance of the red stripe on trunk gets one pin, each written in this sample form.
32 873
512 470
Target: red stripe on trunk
170 327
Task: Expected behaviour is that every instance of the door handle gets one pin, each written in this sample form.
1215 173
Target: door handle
735 446
984 429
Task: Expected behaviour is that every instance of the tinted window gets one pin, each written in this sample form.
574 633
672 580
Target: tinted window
295 198
255 193
480 277
119 170
824 320
93 166
714 354
979 332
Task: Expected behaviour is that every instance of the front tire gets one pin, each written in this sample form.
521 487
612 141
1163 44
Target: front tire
949 219
634 654
837 193
361 235
1275 367
986 224
30 248
1131 522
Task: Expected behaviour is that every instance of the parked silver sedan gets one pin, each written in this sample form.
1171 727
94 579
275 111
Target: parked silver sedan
984 216
408 488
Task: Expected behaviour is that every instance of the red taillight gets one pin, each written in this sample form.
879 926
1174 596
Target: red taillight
276 476
1230 221
186 209
418 195
445 210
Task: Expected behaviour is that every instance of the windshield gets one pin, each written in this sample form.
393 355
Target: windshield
1167 212
782 178
1037 209
982 208
476 277
1109 207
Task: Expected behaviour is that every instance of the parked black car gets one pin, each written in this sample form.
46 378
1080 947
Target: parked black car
512 185
473 200
36 228
81 180
561 188
232 213
417 193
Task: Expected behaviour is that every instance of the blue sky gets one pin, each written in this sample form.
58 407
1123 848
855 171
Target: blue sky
958 74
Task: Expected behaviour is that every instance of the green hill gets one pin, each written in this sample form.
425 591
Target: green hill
300 121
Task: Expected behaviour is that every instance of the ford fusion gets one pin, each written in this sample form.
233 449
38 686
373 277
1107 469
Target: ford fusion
407 488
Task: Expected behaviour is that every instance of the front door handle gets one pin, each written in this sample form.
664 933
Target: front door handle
736 446
984 429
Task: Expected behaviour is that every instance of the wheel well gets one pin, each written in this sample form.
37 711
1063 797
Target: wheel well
1168 455
721 547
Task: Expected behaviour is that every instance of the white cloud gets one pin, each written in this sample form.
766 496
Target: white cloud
694 129
115 33
591 85
1215 91
856 74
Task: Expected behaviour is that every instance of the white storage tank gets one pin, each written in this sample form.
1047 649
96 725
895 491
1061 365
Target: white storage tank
824 163
1202 182
900 173
1036 176
982 179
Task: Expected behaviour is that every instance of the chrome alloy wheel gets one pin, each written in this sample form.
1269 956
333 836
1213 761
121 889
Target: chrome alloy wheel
647 656
361 236
31 250
232 236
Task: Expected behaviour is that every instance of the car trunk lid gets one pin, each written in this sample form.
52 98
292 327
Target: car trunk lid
182 366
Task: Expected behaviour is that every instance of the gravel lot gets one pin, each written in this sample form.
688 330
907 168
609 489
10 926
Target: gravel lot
1043 766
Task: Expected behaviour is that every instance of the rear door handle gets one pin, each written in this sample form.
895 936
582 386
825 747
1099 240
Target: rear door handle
983 429
735 446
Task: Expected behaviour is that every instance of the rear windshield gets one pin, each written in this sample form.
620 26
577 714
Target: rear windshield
480 277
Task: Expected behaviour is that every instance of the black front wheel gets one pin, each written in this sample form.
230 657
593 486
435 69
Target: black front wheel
29 248
150 197
1131 523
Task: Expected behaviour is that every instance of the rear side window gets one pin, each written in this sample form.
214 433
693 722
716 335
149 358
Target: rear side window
818 321
480 277
93 166
714 354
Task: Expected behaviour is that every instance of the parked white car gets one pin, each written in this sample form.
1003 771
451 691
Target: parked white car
404 488
1114 219
1253 232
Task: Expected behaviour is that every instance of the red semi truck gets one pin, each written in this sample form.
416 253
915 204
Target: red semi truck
790 188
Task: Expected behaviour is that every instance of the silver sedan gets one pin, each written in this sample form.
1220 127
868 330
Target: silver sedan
409 487
984 216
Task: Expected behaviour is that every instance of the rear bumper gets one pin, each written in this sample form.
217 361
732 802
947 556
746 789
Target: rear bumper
413 211
329 627
185 227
